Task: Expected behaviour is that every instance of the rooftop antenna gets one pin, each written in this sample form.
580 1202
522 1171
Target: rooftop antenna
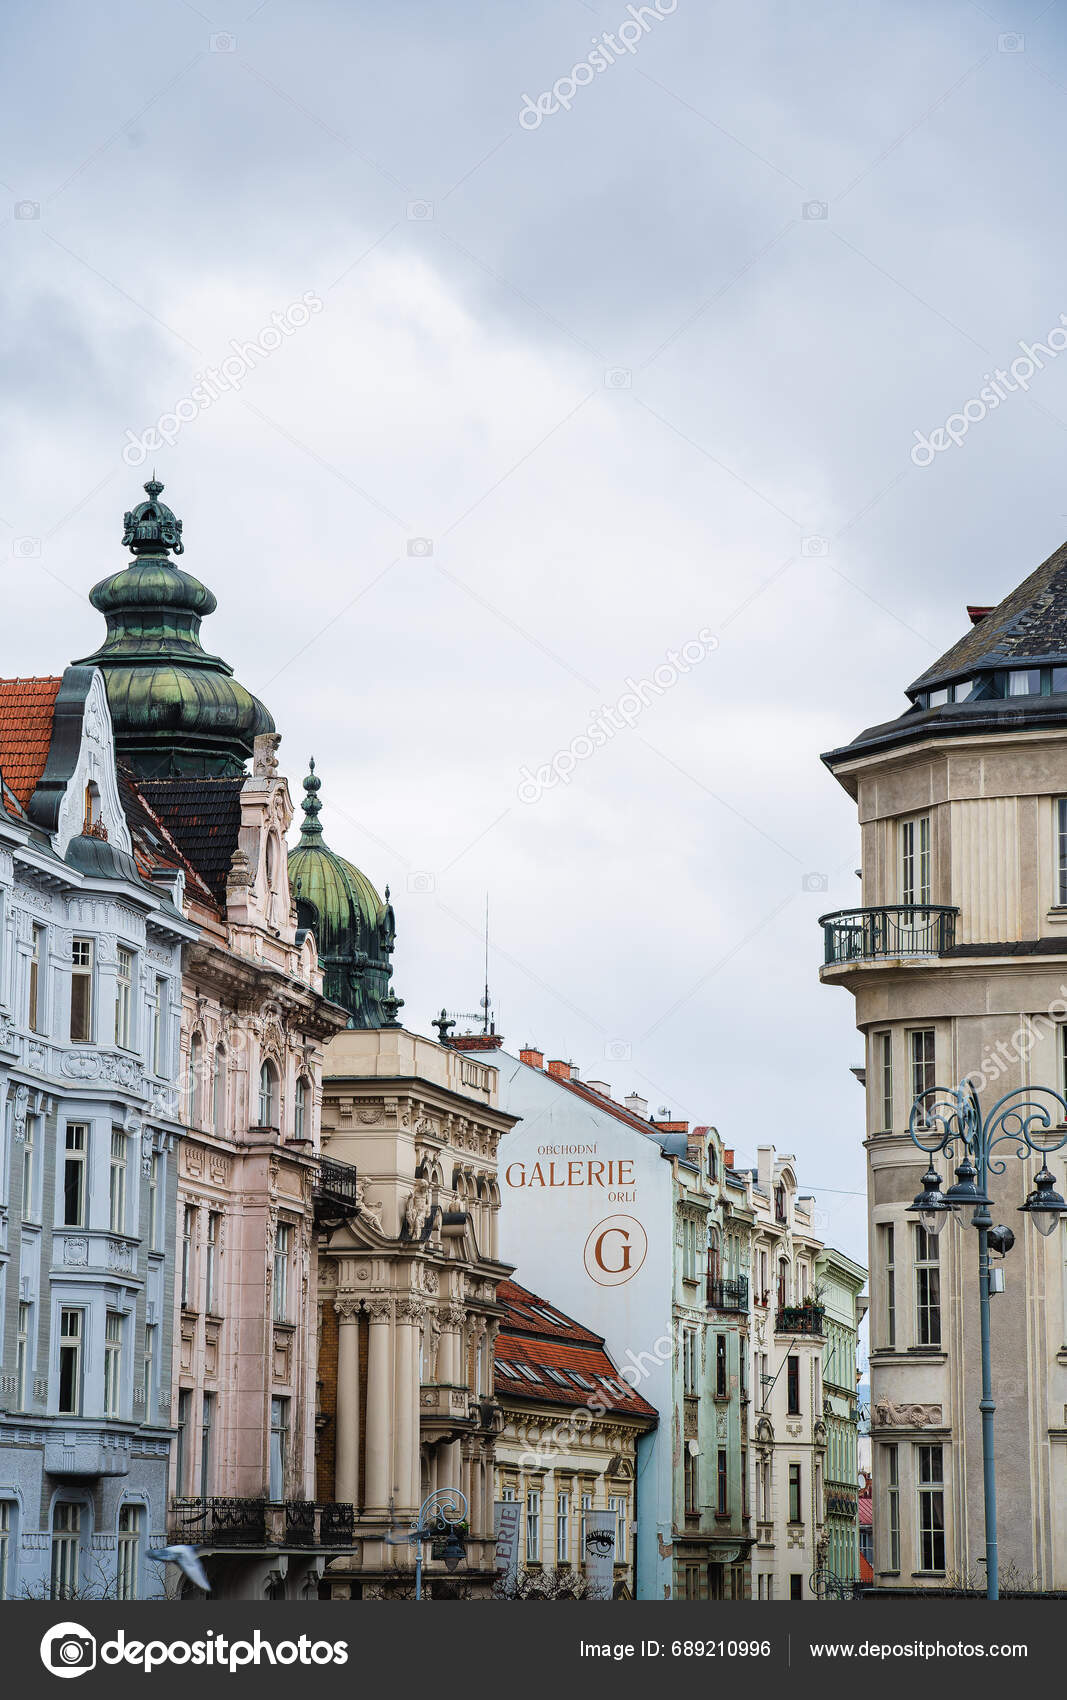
485 999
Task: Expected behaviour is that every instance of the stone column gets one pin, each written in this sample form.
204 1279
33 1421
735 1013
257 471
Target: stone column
379 1478
409 1315
346 1421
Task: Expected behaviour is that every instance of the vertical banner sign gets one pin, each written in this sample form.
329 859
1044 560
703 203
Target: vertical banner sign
507 1516
599 1554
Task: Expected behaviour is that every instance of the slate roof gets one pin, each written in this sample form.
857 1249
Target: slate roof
153 844
1028 625
555 1342
26 711
203 816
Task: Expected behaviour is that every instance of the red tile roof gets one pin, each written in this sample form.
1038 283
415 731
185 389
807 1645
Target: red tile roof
554 1341
26 710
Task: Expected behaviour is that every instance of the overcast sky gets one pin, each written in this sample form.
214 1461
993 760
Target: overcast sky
579 389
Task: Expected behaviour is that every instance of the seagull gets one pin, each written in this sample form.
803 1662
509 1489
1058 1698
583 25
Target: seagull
188 1561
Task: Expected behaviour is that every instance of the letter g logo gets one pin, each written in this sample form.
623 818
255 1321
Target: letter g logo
615 1250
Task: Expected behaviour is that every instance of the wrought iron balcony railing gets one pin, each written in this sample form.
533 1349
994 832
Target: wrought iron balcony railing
729 1294
896 929
336 1187
799 1319
214 1522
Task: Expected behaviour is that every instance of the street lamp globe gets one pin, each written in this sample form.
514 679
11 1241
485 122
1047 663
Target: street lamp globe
932 1206
1045 1206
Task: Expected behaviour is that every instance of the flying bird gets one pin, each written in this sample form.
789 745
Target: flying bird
188 1561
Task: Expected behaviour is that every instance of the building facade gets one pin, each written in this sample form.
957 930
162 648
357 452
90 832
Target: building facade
568 1447
91 936
839 1284
617 1215
957 960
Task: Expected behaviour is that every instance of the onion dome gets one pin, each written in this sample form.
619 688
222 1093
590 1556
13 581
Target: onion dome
176 709
355 932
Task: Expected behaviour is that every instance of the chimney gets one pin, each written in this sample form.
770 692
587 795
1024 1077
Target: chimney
600 1086
532 1058
475 1042
671 1127
558 1069
728 1156
976 613
574 1071
637 1105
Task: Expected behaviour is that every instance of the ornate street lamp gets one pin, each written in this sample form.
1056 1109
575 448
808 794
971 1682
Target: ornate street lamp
439 1517
951 1122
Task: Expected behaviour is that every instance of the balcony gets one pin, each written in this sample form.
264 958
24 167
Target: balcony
728 1294
260 1523
899 930
799 1319
335 1191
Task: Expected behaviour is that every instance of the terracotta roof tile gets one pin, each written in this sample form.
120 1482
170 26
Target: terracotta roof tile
26 710
556 1342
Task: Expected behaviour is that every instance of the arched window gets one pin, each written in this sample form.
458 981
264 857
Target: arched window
301 1109
196 1064
268 1096
714 1254
218 1091
713 1164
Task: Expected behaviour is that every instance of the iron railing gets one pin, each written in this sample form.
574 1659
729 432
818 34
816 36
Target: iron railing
899 929
728 1294
217 1522
335 1186
799 1319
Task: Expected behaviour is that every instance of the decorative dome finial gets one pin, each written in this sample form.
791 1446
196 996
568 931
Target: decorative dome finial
311 827
151 528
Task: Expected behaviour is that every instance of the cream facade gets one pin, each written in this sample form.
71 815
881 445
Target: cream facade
408 1307
962 819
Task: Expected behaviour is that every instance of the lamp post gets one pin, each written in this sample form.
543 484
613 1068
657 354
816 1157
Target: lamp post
440 1514
951 1122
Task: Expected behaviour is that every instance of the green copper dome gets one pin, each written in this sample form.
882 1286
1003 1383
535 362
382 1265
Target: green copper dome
176 709
354 930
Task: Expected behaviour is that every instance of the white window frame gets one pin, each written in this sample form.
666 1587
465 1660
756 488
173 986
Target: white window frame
114 1331
117 1180
66 1549
128 1551
915 860
83 967
71 1341
125 979
563 1526
282 1251
533 1526
75 1164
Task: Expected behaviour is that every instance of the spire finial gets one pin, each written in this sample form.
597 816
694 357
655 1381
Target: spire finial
311 830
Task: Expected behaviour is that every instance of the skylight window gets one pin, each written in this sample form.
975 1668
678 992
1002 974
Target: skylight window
530 1374
557 1321
506 1369
580 1380
557 1375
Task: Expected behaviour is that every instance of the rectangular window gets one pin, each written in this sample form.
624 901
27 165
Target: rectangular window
81 992
279 1447
156 1190
207 1425
892 1508
883 1079
792 1385
129 1552
927 1288
689 1360
70 1363
620 1506
282 1245
722 1384
690 1467
182 1439
886 1236
188 1255
744 1482
794 1493
35 1014
533 1526
118 1181
796 1585
29 1175
159 1029
931 1508
921 1042
211 1264
563 1527
151 1338
915 860
1024 682
112 1364
124 998
6 1522
690 1262
23 1354
722 1502
1061 851
66 1536
76 1145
